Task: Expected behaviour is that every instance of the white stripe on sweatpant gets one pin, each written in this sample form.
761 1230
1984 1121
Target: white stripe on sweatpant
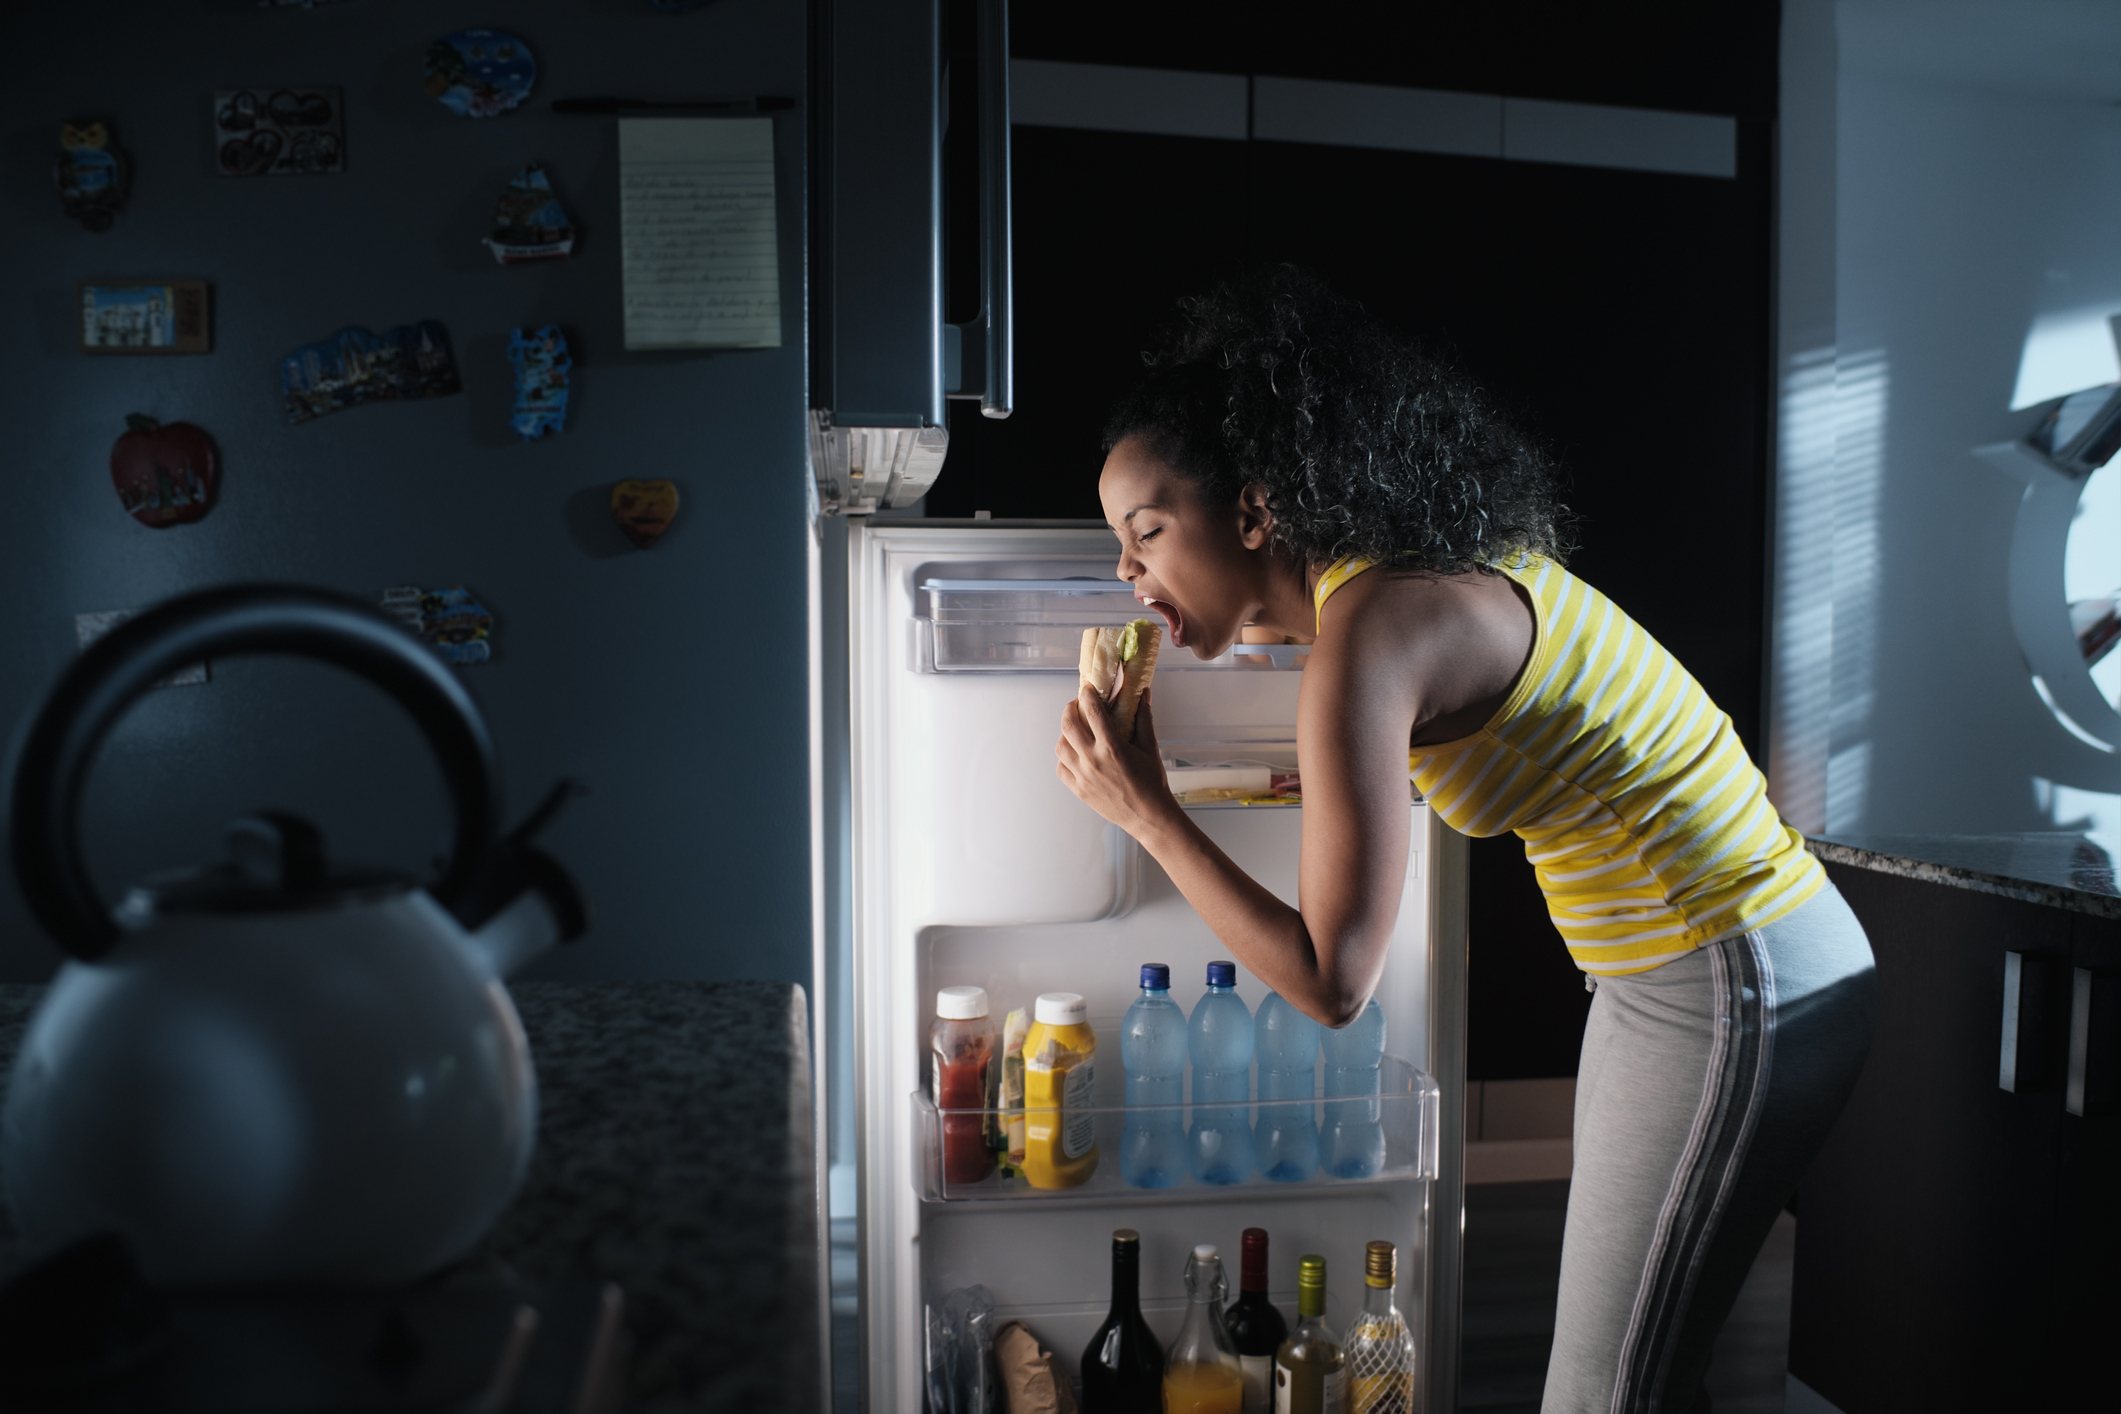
1676 1193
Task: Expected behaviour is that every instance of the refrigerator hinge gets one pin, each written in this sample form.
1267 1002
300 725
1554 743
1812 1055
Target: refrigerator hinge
859 469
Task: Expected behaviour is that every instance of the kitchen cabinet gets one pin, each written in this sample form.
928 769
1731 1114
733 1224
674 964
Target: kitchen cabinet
1956 1240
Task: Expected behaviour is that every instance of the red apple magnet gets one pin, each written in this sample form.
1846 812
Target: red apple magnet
165 472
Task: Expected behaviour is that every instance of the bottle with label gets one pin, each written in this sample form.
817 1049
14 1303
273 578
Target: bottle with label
1380 1348
1256 1328
963 1045
1310 1371
1201 1371
1123 1366
1060 1058
1287 1135
1220 1039
1009 1094
1152 1046
1352 1144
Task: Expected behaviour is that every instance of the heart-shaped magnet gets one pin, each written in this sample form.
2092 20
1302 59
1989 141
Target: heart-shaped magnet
644 509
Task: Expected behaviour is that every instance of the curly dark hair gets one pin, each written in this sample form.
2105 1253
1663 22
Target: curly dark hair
1367 445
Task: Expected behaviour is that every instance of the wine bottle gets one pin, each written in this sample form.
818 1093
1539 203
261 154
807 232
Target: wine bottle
1256 1328
1309 1370
1201 1373
1123 1366
1380 1348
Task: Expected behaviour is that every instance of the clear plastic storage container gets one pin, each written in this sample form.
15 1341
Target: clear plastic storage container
1036 625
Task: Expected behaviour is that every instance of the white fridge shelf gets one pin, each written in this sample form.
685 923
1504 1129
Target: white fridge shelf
1405 1112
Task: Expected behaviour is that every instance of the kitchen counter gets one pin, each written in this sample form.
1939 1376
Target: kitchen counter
2059 868
674 1157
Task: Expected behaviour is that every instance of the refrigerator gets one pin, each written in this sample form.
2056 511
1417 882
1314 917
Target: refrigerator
970 863
945 849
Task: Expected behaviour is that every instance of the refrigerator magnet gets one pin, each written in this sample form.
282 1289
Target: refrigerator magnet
165 472
92 174
356 366
480 72
279 132
644 509
528 221
144 317
450 621
543 366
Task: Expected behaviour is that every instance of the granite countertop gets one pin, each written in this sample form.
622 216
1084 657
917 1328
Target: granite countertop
2059 868
674 1157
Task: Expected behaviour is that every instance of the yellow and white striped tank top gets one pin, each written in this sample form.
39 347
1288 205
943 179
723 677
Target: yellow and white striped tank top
1647 823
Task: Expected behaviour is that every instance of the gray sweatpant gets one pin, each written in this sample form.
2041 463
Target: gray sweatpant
1706 1086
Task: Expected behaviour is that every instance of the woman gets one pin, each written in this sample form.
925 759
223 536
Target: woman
1290 466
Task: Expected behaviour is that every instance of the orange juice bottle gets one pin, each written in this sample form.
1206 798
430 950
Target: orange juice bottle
1202 1374
1203 1389
1060 1058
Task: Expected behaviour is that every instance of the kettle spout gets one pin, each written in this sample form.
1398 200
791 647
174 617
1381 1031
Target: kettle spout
524 928
522 902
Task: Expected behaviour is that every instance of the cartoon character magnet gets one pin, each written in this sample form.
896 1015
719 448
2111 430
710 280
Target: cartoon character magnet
165 472
355 366
92 174
449 621
529 223
542 367
644 509
279 132
480 72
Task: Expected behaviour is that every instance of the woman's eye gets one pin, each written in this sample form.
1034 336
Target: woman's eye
1151 535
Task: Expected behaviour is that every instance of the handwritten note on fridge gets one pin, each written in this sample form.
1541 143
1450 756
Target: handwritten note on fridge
701 258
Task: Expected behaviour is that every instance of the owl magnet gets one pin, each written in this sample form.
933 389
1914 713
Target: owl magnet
165 472
644 509
92 174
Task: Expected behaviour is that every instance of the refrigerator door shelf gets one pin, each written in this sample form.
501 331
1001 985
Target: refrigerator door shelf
1017 647
1405 1111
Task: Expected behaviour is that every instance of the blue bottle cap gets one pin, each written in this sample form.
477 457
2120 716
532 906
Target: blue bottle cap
1222 974
1156 977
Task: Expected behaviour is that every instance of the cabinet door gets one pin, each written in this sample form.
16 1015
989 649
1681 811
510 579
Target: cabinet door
1926 1226
2087 1217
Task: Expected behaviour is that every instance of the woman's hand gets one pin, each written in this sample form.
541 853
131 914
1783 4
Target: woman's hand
1121 780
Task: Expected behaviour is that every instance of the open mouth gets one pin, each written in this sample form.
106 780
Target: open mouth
1175 620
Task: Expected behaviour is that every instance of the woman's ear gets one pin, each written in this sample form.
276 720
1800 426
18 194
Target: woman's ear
1255 522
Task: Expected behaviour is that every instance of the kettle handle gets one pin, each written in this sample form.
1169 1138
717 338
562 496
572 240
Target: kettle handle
53 762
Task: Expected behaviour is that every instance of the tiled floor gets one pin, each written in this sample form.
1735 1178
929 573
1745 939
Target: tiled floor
1512 1264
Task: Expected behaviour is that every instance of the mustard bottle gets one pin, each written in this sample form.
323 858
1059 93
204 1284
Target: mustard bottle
1060 1059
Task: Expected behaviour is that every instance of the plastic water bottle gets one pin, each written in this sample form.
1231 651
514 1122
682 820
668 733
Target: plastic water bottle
1287 1135
1221 1042
1152 1047
1353 1140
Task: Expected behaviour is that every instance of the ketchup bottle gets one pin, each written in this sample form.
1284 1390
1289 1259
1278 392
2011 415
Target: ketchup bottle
963 1040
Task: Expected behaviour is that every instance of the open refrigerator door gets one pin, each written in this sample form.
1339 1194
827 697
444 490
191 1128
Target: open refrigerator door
974 866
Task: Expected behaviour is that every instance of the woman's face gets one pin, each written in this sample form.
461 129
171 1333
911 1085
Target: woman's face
1200 565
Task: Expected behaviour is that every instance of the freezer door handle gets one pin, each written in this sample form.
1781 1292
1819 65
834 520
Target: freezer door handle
979 358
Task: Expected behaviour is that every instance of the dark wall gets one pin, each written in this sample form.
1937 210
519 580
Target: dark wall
612 665
1623 315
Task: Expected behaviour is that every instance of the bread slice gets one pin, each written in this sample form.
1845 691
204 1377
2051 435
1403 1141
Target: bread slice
1117 664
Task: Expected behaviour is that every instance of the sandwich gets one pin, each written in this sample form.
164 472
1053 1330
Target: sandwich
1117 664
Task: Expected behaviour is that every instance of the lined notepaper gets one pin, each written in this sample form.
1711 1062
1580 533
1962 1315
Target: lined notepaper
701 256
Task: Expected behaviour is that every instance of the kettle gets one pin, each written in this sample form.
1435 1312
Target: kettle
272 1070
